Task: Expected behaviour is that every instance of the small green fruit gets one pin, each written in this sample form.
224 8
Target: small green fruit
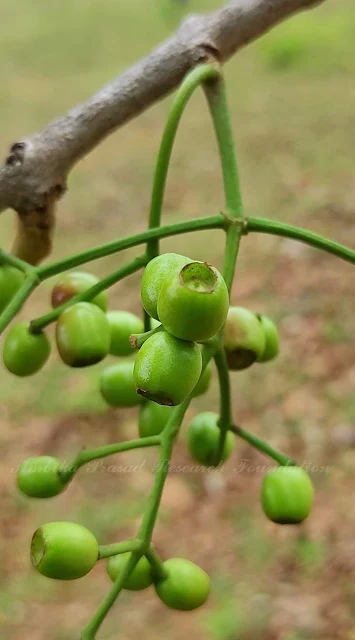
71 284
204 382
155 273
153 419
122 325
203 439
243 338
271 336
141 576
64 550
24 352
83 335
167 369
287 495
118 387
39 477
187 586
11 280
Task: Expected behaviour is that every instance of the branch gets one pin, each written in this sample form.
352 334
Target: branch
35 172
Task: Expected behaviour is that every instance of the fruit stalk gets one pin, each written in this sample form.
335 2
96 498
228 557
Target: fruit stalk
264 447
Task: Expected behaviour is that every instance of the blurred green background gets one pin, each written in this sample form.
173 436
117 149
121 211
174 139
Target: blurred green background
292 98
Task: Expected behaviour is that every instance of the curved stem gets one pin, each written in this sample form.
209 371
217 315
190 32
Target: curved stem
262 446
158 568
108 550
225 415
138 339
8 258
17 302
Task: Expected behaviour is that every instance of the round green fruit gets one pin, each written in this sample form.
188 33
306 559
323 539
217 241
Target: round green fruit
271 337
83 335
24 352
71 284
167 369
122 325
193 303
203 439
204 382
187 586
243 338
141 576
64 550
39 477
118 387
153 418
155 273
11 280
287 495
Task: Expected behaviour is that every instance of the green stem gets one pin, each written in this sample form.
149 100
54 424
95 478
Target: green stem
40 323
158 568
262 446
8 258
225 416
138 339
108 550
302 235
18 301
196 224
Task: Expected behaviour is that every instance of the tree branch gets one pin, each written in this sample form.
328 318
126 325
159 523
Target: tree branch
35 172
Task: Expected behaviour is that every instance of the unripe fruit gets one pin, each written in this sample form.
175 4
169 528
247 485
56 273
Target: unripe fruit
118 387
287 495
24 352
153 418
203 439
193 303
141 576
155 273
271 337
187 586
39 477
11 280
167 369
204 382
243 338
71 284
64 550
83 335
122 325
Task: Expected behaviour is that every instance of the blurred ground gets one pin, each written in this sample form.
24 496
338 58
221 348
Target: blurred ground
292 97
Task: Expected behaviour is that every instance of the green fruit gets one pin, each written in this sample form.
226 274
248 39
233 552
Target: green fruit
187 586
83 335
167 369
122 325
204 382
71 284
24 352
64 550
155 273
153 418
203 439
141 576
271 337
287 495
11 280
39 477
193 303
118 387
243 338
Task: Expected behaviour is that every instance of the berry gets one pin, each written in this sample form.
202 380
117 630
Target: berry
271 336
117 385
204 382
243 338
11 280
287 495
83 335
39 477
24 352
167 369
155 274
193 303
203 439
153 418
71 284
122 325
141 576
187 586
64 550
